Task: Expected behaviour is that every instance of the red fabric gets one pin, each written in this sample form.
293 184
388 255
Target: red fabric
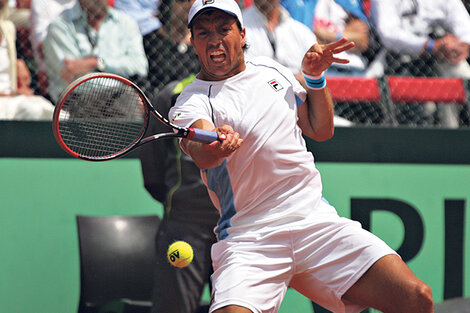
244 3
423 89
366 7
350 89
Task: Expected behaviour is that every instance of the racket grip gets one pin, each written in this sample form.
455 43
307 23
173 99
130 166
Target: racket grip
202 135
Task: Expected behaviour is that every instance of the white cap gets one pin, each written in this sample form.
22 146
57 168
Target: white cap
228 6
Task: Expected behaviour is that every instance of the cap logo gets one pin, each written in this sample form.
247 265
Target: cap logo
204 2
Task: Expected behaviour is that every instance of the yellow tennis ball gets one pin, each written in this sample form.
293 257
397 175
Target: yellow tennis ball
180 254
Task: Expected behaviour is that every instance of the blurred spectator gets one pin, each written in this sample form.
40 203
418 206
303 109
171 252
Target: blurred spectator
169 49
272 32
17 100
144 12
19 12
437 30
42 13
331 20
173 179
92 37
170 176
423 38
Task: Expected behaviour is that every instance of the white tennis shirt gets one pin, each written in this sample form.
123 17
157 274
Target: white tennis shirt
271 180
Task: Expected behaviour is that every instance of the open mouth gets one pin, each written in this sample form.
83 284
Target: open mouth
217 56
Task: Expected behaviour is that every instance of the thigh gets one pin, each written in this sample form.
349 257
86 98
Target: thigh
389 285
331 256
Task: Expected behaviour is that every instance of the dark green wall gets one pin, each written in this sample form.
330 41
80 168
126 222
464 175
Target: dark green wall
42 189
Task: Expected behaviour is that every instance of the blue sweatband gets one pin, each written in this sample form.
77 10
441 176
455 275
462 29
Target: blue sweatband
315 82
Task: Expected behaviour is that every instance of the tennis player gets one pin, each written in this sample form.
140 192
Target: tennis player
276 229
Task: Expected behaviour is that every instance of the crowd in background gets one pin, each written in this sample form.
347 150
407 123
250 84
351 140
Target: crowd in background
46 44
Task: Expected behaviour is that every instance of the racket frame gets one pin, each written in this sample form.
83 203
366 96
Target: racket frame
181 132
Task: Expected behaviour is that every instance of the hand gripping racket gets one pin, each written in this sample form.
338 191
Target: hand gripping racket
103 116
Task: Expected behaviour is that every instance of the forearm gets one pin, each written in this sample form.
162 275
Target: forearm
320 114
202 158
316 114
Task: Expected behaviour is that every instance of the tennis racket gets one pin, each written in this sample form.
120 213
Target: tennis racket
103 116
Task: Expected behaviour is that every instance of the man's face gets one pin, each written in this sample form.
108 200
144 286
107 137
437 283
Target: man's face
94 7
266 5
218 43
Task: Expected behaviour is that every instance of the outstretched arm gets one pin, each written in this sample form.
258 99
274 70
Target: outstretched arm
316 114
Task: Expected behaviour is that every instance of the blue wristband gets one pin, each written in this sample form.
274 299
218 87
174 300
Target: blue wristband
430 46
315 82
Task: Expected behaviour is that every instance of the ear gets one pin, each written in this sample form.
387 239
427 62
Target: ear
192 44
242 33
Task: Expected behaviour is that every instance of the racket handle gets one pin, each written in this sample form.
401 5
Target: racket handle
202 135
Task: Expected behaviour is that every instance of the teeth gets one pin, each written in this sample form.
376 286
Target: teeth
217 53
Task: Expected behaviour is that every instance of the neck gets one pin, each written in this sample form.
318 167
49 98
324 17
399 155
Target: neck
95 23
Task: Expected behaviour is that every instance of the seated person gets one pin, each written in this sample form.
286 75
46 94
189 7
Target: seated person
423 38
92 37
42 13
436 32
272 32
168 48
331 20
17 100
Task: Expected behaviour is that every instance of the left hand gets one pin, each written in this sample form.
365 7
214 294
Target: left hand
319 57
75 68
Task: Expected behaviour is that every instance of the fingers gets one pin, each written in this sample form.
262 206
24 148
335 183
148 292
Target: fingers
232 142
229 142
342 61
335 44
344 47
319 57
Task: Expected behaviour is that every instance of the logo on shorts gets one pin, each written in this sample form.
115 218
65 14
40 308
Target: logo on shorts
275 85
204 2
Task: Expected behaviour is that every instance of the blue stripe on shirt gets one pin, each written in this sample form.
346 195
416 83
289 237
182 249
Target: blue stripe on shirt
218 180
298 101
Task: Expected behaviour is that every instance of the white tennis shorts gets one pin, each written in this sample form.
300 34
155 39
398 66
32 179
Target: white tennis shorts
321 260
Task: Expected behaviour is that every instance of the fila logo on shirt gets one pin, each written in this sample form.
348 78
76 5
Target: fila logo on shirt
275 85
204 2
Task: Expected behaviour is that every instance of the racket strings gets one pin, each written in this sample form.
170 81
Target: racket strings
102 117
